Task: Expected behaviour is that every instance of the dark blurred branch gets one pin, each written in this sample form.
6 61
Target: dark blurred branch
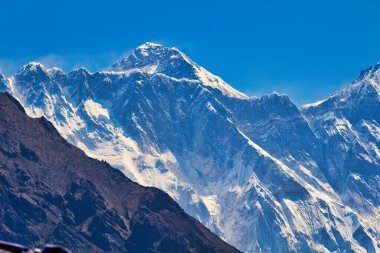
7 247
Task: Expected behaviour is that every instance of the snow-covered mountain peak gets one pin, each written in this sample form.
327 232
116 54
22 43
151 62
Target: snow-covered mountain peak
276 95
279 104
149 46
371 77
79 72
277 99
151 58
33 67
366 86
370 71
55 71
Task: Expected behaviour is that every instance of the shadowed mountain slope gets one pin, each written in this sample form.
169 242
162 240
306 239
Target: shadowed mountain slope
50 191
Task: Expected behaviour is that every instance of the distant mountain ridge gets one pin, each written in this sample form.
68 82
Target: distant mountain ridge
260 172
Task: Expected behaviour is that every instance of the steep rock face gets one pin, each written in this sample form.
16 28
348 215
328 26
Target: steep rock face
253 170
52 192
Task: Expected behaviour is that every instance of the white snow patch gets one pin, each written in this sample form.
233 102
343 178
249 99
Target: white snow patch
96 110
212 205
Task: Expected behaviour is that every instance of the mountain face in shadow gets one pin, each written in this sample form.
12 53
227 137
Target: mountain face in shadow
50 191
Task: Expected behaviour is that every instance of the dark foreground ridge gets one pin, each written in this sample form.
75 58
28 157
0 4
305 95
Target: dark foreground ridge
51 192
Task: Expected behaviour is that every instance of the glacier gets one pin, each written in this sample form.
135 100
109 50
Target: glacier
261 172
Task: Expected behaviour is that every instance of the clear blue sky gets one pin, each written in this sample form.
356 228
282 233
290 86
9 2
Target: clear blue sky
305 48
